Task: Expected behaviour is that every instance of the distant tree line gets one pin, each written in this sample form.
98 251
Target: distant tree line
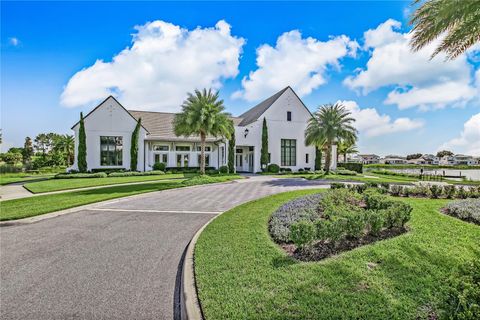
45 150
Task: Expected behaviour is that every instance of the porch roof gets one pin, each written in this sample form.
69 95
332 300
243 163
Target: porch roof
160 126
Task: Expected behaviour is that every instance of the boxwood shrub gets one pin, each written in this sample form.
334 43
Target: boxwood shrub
80 175
339 214
357 167
136 173
159 166
273 168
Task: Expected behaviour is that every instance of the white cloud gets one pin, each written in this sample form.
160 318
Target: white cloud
299 62
163 63
370 123
14 41
417 81
469 140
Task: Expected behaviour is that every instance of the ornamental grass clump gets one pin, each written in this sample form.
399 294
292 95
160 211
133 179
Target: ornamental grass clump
304 208
468 210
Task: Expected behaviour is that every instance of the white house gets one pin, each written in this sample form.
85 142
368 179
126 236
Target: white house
109 128
458 159
393 159
368 158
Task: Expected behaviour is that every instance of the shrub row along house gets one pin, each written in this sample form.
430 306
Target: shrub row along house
109 127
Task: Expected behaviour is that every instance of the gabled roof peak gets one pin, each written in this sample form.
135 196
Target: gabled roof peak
254 113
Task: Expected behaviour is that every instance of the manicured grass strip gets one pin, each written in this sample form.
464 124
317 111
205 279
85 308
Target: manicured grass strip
32 206
242 274
68 184
11 178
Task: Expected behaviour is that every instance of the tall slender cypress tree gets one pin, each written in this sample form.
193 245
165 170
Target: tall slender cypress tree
82 146
134 146
264 150
318 158
231 154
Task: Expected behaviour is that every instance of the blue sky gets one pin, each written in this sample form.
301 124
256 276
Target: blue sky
403 102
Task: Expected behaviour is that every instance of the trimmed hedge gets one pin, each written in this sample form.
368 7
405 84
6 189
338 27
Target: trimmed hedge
80 175
108 170
353 166
136 173
187 169
345 172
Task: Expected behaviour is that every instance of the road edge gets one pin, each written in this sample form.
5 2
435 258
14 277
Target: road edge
44 216
190 304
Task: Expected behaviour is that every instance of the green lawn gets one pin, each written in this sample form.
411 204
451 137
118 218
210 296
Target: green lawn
67 184
242 274
32 206
7 178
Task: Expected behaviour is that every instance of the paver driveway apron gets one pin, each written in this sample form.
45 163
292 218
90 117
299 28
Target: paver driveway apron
118 260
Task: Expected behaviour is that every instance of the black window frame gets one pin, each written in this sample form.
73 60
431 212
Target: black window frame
207 148
288 152
207 160
183 148
289 115
111 157
306 157
160 147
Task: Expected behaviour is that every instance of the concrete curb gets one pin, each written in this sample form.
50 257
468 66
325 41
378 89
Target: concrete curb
93 205
190 305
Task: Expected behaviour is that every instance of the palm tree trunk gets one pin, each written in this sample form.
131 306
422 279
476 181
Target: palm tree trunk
202 153
328 157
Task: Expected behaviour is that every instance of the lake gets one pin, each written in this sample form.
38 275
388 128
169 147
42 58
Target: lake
470 174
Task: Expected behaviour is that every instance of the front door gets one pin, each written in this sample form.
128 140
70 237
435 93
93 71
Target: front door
250 162
182 159
239 162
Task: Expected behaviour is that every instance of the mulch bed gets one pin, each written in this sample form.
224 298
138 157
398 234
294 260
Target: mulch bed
322 250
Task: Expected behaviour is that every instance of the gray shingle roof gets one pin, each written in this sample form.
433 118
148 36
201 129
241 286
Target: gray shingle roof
254 113
160 125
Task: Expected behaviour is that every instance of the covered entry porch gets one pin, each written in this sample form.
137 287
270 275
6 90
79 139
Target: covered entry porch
244 158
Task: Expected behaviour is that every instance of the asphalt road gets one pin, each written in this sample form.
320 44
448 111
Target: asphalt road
119 260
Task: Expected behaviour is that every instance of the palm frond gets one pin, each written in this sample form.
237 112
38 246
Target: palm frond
458 19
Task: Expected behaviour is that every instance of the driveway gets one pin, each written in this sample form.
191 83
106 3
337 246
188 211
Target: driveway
118 260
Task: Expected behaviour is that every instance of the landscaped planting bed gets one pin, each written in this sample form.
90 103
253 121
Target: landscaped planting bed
318 226
241 273
468 210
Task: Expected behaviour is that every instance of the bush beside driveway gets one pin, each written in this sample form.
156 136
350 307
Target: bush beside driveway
242 274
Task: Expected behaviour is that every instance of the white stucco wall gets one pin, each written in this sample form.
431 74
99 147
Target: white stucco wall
279 128
109 119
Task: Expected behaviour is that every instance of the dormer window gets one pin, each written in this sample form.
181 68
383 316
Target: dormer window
289 115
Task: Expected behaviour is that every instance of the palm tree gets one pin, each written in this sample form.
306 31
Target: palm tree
203 114
346 148
65 144
459 19
330 123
